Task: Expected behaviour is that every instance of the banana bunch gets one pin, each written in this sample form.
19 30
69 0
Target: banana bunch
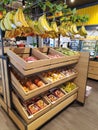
54 27
73 29
19 19
7 22
43 25
82 31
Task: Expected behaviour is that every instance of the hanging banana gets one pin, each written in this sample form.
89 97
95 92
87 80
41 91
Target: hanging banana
8 21
54 26
19 18
74 28
43 24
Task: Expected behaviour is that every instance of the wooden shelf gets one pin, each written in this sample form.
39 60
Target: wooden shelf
44 118
18 87
40 65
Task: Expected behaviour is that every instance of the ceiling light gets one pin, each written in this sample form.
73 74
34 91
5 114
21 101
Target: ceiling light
72 1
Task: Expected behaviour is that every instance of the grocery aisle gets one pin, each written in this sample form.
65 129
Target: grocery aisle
74 117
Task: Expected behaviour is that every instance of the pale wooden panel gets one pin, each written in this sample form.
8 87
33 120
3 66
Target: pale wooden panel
3 81
7 83
93 63
82 68
93 70
20 50
92 76
2 103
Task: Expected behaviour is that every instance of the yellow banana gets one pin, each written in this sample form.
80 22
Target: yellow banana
42 30
43 24
30 23
34 26
37 30
63 31
74 28
2 25
21 17
8 21
16 20
54 26
82 31
70 28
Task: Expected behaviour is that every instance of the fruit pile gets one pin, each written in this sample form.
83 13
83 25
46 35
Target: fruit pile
34 105
68 71
67 51
47 51
15 23
29 83
52 75
51 56
54 94
68 87
30 59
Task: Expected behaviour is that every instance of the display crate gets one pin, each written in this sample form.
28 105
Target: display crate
28 119
50 51
69 57
61 99
17 55
26 95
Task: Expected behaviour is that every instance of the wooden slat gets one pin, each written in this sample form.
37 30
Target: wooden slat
25 50
16 119
7 87
92 76
3 104
3 80
93 63
93 70
81 80
63 64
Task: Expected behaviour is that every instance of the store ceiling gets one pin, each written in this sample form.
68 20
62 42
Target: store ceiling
79 3
76 3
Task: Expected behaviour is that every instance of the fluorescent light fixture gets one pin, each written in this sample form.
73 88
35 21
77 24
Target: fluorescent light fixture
72 1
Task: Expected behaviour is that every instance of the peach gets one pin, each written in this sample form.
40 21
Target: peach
32 86
36 81
40 83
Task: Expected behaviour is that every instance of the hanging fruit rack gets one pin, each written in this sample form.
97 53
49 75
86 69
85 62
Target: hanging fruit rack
63 21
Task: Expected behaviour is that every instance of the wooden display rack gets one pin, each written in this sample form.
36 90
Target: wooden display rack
81 66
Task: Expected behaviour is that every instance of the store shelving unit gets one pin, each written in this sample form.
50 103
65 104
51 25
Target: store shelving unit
89 46
13 107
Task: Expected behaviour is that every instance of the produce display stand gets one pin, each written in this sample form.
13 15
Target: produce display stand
10 102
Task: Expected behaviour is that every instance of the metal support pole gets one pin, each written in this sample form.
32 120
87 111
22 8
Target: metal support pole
1 42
